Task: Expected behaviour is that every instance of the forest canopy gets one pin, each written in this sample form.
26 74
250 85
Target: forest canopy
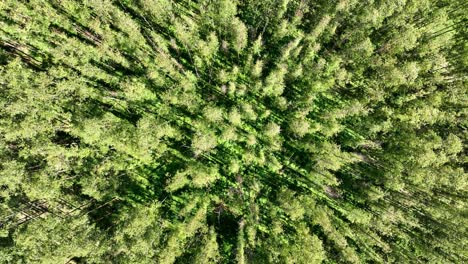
233 131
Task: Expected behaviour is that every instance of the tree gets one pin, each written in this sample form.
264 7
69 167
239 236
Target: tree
275 131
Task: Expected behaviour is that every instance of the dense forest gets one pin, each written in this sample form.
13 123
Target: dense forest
233 131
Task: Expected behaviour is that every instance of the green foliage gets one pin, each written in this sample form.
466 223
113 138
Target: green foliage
233 131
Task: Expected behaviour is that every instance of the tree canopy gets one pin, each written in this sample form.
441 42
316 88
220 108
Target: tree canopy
233 131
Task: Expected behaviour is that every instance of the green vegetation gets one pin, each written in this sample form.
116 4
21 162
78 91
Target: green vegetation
233 131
